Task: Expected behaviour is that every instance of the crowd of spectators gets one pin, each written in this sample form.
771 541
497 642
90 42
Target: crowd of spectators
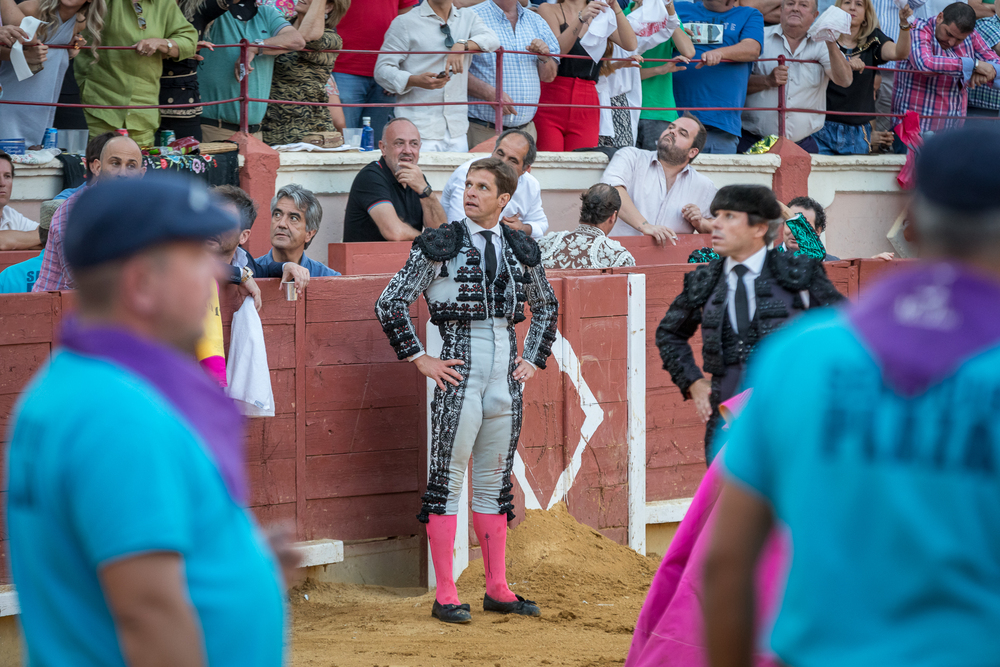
946 54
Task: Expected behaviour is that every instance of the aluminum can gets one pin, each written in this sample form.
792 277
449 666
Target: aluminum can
166 136
122 131
51 139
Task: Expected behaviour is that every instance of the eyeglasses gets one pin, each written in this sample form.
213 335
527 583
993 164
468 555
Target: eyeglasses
449 41
138 14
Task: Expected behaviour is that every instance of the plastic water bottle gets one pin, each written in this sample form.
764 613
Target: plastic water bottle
367 135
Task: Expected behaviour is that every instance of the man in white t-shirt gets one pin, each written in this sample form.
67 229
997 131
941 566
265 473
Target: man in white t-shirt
524 211
16 231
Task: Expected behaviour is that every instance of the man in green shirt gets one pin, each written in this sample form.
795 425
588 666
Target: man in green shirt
219 72
658 83
156 29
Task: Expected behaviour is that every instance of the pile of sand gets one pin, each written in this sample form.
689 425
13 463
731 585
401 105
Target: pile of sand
589 588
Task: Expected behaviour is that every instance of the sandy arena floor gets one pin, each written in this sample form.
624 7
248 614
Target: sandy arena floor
589 588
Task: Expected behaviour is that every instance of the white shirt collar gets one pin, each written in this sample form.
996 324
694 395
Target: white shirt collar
475 229
755 262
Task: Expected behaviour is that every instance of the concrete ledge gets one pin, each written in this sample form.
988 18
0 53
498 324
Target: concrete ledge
9 605
320 552
667 511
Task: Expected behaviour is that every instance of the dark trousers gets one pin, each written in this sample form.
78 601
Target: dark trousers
724 387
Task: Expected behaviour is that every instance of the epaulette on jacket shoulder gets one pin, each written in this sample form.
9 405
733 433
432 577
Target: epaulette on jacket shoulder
440 244
793 272
525 248
698 284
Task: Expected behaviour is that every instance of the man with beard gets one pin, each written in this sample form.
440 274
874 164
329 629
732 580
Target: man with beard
656 186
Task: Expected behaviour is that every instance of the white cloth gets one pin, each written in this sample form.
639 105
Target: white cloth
602 26
420 30
12 220
754 264
447 144
527 200
641 174
830 25
246 369
806 87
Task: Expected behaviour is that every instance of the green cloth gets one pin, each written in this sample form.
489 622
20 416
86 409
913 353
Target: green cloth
123 77
657 91
217 73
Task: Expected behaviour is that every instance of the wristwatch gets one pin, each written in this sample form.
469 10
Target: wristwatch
463 42
426 192
260 44
245 274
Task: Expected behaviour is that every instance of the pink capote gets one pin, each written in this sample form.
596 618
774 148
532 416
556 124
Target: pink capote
670 629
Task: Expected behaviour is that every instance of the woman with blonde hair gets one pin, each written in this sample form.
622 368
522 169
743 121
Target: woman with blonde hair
64 20
302 75
865 46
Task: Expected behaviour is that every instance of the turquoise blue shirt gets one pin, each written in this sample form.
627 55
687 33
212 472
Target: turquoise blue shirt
217 73
102 468
69 192
891 502
20 277
316 269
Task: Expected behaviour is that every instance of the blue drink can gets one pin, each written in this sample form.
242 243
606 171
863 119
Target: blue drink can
51 139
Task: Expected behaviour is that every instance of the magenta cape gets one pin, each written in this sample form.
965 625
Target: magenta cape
670 629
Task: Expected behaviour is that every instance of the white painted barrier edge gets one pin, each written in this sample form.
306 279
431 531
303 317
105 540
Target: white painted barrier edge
636 322
667 511
315 552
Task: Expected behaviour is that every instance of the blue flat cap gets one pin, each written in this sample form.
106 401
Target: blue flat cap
956 169
116 219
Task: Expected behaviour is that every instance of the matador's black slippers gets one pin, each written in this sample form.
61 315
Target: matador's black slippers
521 606
451 613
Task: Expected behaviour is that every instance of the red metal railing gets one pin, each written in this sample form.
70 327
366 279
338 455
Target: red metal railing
244 99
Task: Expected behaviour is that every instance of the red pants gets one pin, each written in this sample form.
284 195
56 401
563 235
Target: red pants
562 128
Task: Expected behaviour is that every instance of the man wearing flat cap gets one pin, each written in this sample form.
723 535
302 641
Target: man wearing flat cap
883 466
130 541
737 299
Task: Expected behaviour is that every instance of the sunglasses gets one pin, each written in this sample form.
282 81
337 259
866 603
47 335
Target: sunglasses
449 41
138 14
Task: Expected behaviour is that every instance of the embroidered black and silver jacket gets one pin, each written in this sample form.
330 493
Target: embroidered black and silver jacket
446 267
703 302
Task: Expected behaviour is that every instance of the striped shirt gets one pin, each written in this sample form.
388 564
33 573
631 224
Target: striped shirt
54 274
942 91
987 97
520 72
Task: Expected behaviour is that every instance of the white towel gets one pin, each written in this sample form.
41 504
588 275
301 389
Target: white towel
830 25
596 39
246 370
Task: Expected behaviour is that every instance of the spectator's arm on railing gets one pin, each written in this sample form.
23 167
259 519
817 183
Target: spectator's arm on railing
987 65
182 35
287 39
776 77
482 38
11 17
745 51
922 56
630 215
12 239
484 91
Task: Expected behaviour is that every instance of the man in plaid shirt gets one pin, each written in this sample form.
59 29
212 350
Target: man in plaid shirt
955 59
985 100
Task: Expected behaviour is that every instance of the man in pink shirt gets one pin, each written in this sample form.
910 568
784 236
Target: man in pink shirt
363 28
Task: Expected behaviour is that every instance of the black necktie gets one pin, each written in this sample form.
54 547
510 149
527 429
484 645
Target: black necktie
491 257
742 303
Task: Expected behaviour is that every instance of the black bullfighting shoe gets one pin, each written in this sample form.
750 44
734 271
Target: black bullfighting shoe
520 606
451 613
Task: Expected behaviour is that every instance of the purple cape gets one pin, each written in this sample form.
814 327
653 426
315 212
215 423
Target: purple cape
179 379
922 324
